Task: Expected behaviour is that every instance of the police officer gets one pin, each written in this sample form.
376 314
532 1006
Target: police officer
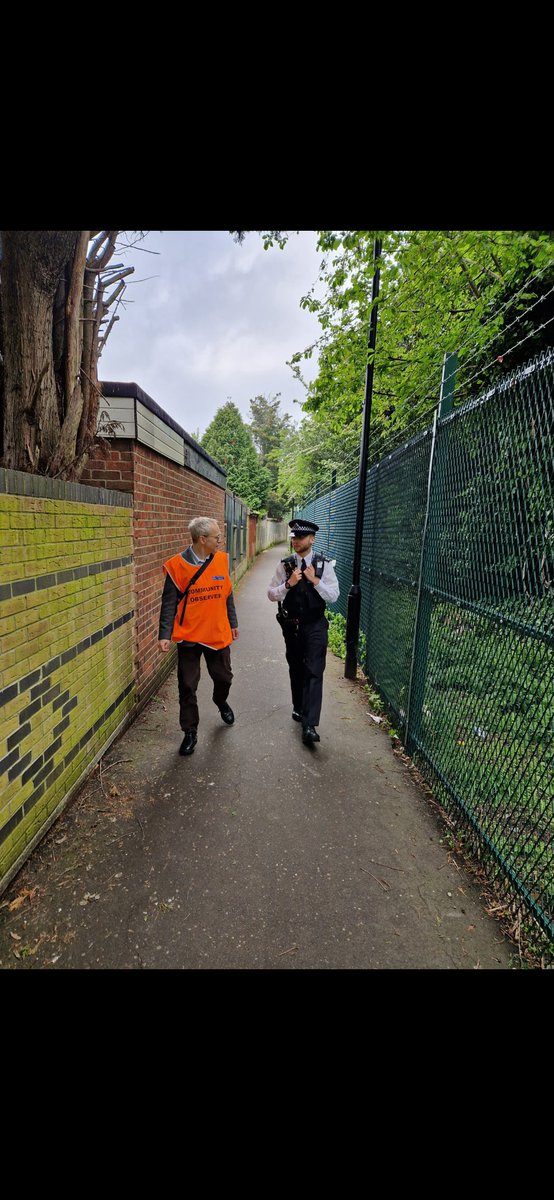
302 585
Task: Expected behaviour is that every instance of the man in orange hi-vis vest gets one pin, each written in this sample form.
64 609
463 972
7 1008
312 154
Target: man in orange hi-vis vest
198 613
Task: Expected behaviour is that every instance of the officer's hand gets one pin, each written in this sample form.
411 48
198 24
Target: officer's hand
164 645
295 577
235 634
310 574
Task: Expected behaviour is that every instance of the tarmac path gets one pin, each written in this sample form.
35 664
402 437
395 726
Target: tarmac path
256 852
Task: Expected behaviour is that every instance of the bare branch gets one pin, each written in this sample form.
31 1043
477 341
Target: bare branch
100 261
121 275
94 248
113 267
120 287
104 339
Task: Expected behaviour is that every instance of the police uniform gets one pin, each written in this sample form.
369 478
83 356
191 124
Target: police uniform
305 627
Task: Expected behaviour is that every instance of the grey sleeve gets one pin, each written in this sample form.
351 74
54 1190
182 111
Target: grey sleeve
232 612
170 600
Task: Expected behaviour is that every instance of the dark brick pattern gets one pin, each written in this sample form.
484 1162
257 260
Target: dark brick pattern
44 772
20 587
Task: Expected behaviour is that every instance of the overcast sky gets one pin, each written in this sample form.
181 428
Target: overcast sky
217 322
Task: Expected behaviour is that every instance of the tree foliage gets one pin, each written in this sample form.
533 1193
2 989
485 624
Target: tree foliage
269 429
230 442
482 294
314 453
486 295
56 290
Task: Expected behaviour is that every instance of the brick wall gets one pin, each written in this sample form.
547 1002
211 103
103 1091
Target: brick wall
113 469
66 638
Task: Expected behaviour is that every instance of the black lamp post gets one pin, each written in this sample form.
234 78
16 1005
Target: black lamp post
354 595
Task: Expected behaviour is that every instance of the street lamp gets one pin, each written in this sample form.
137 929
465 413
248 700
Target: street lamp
355 595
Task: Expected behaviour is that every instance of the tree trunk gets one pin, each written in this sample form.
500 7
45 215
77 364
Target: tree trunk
62 460
32 266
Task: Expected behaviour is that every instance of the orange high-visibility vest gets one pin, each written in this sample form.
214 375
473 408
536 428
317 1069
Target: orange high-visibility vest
205 617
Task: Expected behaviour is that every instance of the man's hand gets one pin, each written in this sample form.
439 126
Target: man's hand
295 577
310 574
164 645
235 634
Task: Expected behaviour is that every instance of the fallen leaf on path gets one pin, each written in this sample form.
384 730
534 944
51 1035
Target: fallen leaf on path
26 894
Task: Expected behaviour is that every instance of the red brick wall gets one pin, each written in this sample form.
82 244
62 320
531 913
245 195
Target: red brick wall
165 498
113 471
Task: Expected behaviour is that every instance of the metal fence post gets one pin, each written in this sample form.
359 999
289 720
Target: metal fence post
424 603
354 596
421 622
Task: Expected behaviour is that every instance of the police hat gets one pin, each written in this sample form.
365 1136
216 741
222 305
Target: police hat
301 525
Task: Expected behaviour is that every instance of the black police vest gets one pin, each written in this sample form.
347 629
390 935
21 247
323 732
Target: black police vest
303 602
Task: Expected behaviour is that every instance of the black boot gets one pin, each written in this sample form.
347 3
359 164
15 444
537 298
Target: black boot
310 735
189 742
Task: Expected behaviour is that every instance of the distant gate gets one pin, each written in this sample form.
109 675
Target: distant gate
236 530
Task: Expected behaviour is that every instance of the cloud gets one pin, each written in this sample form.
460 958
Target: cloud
219 321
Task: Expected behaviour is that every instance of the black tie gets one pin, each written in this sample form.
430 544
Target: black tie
303 565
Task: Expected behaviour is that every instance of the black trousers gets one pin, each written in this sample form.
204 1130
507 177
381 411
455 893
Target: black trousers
306 652
218 663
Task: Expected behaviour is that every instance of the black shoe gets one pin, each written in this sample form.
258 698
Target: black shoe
296 714
189 742
227 714
310 735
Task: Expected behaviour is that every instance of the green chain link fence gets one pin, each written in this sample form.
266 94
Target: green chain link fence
457 579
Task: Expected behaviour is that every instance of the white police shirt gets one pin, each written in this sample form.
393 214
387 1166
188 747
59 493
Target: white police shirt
327 587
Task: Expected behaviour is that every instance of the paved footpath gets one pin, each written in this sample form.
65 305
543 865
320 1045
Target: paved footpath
256 852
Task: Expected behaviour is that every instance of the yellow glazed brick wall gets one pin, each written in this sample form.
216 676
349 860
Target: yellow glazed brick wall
66 647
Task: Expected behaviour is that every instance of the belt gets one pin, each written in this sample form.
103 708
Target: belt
303 620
